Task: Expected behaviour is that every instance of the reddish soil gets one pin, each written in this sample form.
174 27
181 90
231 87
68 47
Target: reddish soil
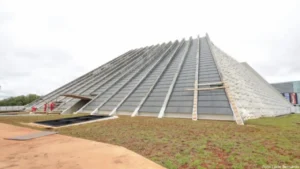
58 151
222 155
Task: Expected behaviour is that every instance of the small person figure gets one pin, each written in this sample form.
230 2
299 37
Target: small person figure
45 107
52 105
33 109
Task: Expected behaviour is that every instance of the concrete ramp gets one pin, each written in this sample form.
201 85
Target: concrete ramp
31 136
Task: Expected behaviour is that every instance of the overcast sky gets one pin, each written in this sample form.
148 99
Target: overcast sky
45 44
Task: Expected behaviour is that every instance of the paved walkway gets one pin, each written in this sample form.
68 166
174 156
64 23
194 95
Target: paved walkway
58 151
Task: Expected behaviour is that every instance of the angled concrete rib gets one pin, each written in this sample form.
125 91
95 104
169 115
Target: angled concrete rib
141 80
123 74
149 62
157 79
163 108
195 102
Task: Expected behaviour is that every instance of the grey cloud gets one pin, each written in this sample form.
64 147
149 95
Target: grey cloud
270 48
6 93
8 74
281 58
34 70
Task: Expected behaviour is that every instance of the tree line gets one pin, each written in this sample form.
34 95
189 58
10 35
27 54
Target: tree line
19 100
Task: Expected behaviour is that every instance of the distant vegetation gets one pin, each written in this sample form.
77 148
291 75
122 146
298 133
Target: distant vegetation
19 100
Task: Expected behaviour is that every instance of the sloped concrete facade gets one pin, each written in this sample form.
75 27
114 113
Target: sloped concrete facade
182 79
253 95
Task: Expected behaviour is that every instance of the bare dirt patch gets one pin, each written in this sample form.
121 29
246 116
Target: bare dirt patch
58 151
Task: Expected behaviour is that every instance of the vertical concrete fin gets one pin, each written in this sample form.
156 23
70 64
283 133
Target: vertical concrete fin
163 108
127 69
130 70
195 102
143 78
135 112
88 83
152 57
238 118
82 80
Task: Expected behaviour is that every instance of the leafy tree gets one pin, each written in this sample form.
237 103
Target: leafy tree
19 100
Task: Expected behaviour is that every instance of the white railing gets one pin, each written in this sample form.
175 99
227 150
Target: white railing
11 108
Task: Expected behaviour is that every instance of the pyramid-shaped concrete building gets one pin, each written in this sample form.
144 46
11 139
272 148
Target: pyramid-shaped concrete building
182 79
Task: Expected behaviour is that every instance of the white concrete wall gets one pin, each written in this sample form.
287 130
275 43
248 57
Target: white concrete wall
254 97
11 108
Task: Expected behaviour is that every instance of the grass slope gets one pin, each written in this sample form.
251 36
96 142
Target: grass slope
183 143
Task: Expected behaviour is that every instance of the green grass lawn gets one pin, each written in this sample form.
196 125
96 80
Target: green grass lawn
183 143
